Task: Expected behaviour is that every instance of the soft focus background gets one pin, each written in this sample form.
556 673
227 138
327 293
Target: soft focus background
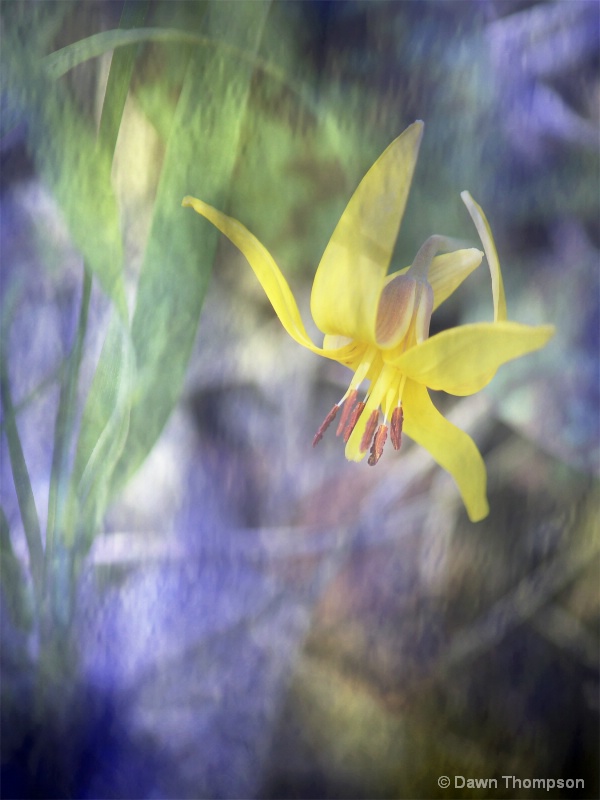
195 603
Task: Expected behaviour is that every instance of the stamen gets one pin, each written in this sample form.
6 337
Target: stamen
377 446
326 423
354 417
396 427
369 431
349 404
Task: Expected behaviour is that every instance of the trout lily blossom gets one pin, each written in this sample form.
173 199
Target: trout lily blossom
378 324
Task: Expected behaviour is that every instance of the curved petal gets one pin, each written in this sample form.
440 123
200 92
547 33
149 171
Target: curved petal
453 449
487 240
275 285
463 360
352 271
332 341
268 273
447 272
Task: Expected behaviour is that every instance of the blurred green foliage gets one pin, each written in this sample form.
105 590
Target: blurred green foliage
140 373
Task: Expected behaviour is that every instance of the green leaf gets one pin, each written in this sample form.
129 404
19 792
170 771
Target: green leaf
103 433
119 77
61 61
117 88
201 154
74 166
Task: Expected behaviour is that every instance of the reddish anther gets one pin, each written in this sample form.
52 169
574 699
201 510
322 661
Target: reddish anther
396 427
349 404
377 446
326 423
369 431
357 411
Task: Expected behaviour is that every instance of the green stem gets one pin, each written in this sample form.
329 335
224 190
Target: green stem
26 500
59 476
50 380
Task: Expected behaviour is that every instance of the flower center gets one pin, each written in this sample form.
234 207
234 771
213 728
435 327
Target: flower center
403 317
359 418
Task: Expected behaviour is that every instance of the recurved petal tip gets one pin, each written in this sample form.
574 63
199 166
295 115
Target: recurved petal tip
487 239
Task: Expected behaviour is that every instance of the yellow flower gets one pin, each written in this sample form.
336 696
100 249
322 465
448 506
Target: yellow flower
378 324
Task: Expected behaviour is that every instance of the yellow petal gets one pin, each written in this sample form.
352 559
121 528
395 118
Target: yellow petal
332 341
344 350
452 448
352 271
487 239
423 310
463 360
268 273
447 272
